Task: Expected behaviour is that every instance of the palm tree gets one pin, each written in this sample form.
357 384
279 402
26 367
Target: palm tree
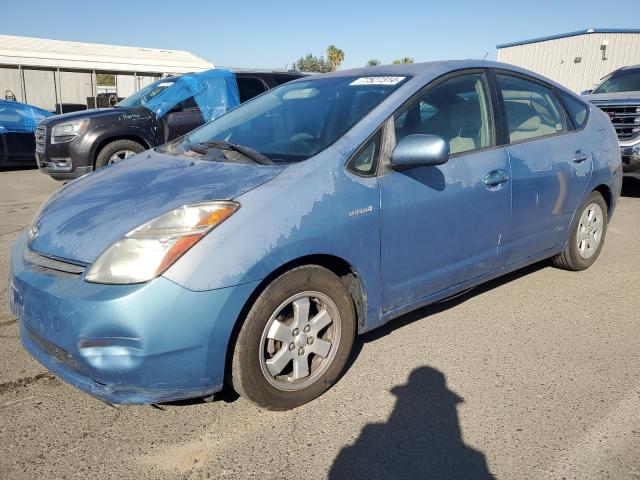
335 57
398 61
373 62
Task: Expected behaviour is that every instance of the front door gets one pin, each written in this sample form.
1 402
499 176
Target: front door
185 117
443 225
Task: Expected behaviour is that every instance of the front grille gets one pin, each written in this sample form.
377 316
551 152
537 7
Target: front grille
625 119
41 138
52 265
54 351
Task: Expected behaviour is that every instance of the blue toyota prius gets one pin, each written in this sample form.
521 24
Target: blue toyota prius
253 249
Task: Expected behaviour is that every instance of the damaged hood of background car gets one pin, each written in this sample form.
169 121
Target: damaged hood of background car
633 96
109 114
88 215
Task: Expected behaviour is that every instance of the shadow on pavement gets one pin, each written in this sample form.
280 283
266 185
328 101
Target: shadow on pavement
440 306
421 439
12 168
631 186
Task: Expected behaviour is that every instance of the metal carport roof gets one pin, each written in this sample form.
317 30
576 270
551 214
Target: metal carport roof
39 52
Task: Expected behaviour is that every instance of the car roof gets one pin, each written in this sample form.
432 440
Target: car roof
428 69
629 67
416 69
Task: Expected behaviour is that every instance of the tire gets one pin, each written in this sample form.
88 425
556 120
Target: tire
573 258
257 348
112 148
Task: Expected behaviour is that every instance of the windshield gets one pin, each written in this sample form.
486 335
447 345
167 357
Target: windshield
142 96
620 82
297 120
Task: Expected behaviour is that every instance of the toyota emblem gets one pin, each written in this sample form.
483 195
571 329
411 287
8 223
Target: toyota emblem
33 232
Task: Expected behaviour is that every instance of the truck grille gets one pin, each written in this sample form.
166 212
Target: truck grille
41 138
625 119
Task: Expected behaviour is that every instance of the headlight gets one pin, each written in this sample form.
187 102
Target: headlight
65 132
147 251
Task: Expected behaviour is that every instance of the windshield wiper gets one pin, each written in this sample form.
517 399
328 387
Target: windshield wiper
203 147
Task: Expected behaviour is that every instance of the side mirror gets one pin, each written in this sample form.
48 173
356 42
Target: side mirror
586 92
419 151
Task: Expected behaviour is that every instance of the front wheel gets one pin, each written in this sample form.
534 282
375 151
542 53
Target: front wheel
586 236
117 150
295 340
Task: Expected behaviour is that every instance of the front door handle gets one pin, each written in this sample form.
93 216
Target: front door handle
580 157
495 178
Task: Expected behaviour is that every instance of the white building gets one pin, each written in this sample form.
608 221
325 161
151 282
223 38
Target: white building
48 72
577 60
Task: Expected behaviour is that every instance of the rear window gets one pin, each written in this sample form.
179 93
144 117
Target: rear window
577 110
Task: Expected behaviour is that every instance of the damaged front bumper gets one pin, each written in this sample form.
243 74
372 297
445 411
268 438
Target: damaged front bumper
147 343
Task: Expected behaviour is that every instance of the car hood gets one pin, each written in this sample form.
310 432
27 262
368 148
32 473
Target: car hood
103 113
89 214
614 97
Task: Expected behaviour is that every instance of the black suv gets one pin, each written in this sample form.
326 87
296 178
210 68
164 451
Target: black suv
73 144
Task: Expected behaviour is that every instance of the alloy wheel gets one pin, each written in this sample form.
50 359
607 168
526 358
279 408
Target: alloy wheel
120 155
589 232
300 341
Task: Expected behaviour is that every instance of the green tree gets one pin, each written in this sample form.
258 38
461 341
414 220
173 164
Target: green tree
373 62
311 63
398 61
335 56
106 79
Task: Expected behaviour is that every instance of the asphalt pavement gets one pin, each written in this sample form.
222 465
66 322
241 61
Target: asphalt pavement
535 375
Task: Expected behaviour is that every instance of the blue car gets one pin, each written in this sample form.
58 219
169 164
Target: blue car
253 249
18 123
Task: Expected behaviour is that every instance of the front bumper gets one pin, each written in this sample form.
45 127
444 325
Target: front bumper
630 156
147 343
63 161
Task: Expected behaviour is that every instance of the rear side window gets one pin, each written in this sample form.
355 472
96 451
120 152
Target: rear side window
532 109
577 110
250 87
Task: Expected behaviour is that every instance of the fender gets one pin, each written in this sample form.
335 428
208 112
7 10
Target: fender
287 231
94 139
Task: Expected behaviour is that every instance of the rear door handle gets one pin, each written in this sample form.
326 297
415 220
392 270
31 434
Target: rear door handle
495 178
580 157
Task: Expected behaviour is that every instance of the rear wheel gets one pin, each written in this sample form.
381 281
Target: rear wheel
117 150
586 236
295 340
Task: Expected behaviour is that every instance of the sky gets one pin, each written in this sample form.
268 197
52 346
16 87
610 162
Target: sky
273 34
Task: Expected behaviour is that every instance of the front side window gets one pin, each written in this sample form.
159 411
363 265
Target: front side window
296 120
622 81
532 109
458 110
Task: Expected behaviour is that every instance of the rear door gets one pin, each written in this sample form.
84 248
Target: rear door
443 225
550 168
20 147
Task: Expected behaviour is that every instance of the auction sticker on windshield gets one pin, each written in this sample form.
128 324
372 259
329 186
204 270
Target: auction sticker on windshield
377 81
